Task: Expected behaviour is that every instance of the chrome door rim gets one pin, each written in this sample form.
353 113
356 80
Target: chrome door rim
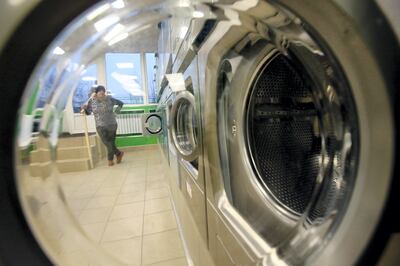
182 97
147 122
363 106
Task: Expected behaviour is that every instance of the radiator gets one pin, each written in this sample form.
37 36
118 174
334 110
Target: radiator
129 122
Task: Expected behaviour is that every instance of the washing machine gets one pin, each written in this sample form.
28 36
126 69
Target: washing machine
299 126
300 134
186 135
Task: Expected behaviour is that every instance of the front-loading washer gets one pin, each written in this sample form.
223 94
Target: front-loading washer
186 134
299 142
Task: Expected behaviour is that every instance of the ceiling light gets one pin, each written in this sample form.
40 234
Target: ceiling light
105 23
118 38
198 14
125 65
89 78
58 51
184 3
117 29
118 4
98 11
15 2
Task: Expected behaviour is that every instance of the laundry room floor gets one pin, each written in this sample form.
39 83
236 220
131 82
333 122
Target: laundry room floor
127 210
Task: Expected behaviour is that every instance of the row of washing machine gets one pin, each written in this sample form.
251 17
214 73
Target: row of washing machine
276 149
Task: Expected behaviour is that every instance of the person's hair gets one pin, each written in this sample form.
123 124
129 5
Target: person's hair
100 88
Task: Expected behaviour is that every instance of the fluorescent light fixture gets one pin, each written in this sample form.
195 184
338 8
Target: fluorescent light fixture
118 38
118 4
105 23
125 65
183 32
89 78
184 3
198 14
176 82
58 51
16 2
117 29
98 11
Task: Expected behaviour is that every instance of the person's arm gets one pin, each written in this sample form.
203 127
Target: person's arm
87 107
117 102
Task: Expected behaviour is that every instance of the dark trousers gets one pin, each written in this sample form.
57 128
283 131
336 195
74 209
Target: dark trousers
107 135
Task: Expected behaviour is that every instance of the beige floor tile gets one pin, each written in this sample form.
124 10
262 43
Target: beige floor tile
108 191
77 204
155 177
117 182
123 229
137 164
136 172
127 210
161 247
75 258
154 169
155 184
154 161
131 197
84 192
71 181
90 216
157 205
127 251
135 179
175 262
68 190
94 231
73 240
89 185
131 188
157 193
102 201
89 256
101 172
159 222
119 173
95 179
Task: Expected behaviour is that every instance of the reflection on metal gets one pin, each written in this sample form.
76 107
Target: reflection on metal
87 141
184 125
44 156
152 124
246 175
129 123
247 193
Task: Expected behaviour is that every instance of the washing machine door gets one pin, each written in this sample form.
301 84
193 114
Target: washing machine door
184 126
152 124
293 165
39 226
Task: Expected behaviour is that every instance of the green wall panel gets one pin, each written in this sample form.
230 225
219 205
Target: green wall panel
126 141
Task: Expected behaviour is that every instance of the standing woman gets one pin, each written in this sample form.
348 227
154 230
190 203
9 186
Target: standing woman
102 106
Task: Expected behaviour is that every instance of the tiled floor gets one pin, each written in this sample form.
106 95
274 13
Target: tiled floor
127 210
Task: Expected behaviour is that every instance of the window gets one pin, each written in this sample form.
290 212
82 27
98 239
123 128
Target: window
82 93
151 77
124 79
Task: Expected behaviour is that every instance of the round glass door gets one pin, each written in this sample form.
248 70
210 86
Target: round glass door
184 126
153 124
